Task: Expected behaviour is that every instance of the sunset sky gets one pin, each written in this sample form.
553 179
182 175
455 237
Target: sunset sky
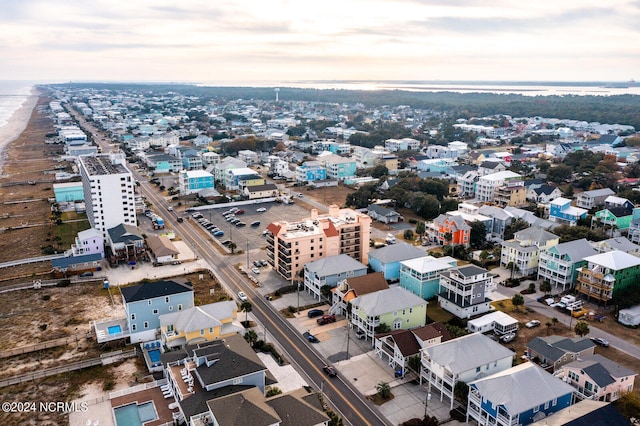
292 40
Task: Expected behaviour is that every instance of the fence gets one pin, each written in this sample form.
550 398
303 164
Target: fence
72 366
44 345
137 388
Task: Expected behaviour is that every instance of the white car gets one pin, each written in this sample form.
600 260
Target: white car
243 297
532 323
170 208
261 210
255 271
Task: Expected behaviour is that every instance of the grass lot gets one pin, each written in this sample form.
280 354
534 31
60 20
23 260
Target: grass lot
68 230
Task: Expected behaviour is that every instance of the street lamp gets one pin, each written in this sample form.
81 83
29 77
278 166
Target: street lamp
426 404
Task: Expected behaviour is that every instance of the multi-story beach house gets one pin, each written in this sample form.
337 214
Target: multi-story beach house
559 264
108 191
464 291
421 276
311 171
561 211
403 144
594 198
607 273
291 245
524 249
463 359
329 271
487 185
520 395
192 181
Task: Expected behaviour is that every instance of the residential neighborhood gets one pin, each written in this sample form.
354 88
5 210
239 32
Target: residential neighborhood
250 257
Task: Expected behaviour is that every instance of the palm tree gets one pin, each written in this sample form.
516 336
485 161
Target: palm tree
246 307
232 247
581 328
554 321
384 390
251 337
511 266
548 324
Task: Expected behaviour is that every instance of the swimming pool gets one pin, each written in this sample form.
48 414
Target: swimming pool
114 329
154 355
134 414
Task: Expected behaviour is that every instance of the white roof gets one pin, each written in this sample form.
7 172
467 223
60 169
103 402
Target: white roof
427 264
507 174
512 388
614 259
497 316
199 317
389 300
192 174
467 352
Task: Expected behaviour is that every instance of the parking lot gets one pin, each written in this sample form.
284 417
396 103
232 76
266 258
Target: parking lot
251 237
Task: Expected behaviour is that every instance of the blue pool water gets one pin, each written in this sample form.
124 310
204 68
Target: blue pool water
114 329
135 415
154 355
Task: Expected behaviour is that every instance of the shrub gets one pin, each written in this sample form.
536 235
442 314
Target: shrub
64 283
42 327
46 297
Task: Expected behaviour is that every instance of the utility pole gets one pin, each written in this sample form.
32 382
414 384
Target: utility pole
348 337
247 254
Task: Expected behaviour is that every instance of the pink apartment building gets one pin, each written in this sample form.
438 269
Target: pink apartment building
292 244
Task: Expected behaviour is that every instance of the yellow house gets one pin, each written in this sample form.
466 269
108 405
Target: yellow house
200 324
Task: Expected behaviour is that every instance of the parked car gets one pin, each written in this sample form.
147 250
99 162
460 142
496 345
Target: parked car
257 263
263 262
255 271
326 319
532 323
218 234
170 208
242 296
506 338
310 337
315 313
255 224
240 211
86 274
600 341
226 242
240 224
180 220
261 210
331 372
360 334
234 209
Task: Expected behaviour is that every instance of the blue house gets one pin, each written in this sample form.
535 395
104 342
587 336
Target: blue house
421 276
195 180
311 171
144 303
519 395
387 259
561 211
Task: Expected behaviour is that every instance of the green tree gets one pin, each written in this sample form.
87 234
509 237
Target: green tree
514 226
251 337
273 391
548 324
559 173
408 235
581 328
379 171
554 321
511 266
545 287
420 228
517 300
484 255
384 390
478 234
325 292
383 328
461 392
246 307
232 246
415 364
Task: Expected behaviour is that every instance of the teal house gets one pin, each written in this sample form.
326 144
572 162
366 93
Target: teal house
195 180
559 264
421 276
618 217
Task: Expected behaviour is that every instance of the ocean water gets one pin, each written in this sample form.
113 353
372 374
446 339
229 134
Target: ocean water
12 96
500 87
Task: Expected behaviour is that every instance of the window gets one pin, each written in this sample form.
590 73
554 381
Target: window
149 302
171 308
202 332
133 317
536 409
166 299
133 327
180 307
554 402
477 369
210 329
146 324
155 312
546 405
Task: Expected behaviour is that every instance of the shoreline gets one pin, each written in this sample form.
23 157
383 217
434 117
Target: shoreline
17 124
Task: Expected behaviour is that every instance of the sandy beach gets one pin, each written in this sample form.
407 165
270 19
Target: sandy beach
17 123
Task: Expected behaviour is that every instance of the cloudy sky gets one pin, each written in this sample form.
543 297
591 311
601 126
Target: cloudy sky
287 40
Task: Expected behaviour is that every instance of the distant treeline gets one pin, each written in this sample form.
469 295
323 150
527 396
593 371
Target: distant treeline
619 109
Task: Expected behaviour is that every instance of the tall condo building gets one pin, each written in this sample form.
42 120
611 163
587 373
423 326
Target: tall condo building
290 245
108 191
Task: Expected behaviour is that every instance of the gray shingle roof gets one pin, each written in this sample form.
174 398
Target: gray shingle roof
513 388
575 250
334 265
385 301
396 253
467 352
152 290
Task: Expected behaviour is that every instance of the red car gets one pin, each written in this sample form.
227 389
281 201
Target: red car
240 212
326 319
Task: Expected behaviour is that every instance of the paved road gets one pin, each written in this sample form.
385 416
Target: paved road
541 308
346 400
